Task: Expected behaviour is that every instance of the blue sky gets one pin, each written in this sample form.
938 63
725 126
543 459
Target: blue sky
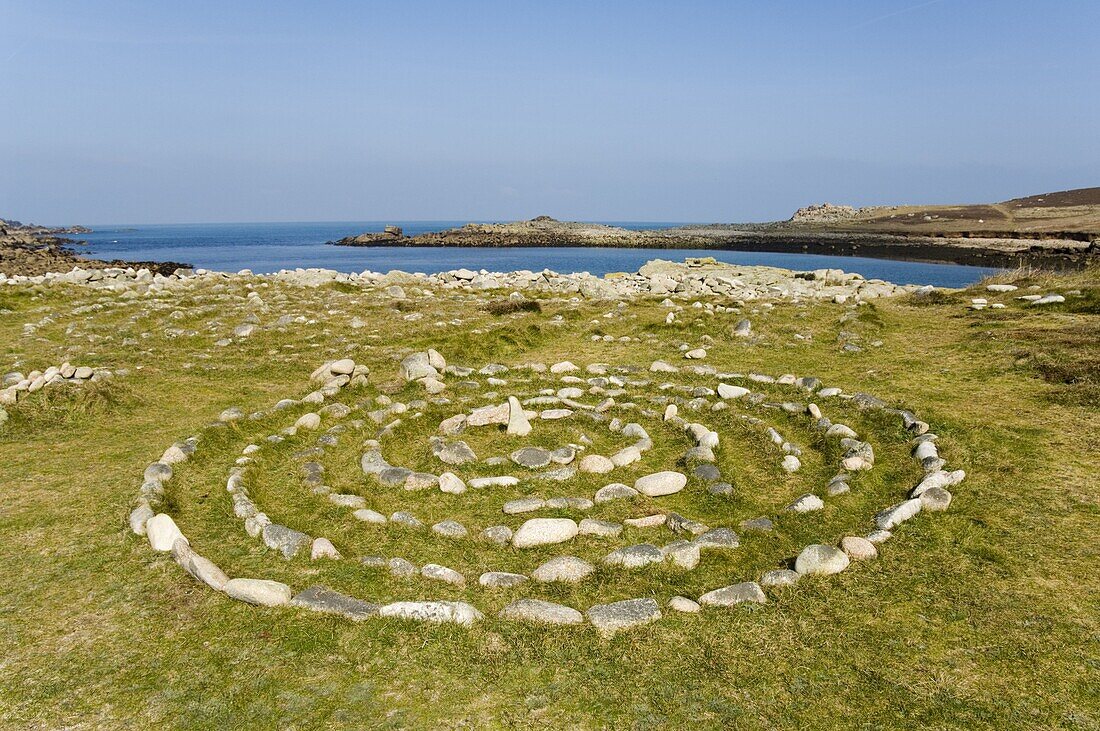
151 111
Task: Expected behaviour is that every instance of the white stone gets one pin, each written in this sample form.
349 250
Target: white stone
660 483
544 531
162 532
258 591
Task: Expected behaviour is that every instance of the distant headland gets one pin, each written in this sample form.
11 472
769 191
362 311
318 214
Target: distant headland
1057 229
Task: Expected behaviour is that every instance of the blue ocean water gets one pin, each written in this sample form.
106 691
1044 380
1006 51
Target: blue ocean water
268 247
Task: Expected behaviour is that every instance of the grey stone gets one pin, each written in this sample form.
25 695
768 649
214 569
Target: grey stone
679 524
720 488
935 499
632 557
442 573
327 601
564 569
202 569
603 528
683 604
611 618
450 529
708 472
531 457
760 524
718 538
543 612
439 612
501 579
523 505
498 534
544 531
728 596
393 476
401 567
779 577
285 540
569 503
684 554
895 515
615 491
407 519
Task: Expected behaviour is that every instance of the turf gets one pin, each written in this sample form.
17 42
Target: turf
985 616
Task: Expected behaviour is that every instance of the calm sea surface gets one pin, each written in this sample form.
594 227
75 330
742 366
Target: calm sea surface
268 247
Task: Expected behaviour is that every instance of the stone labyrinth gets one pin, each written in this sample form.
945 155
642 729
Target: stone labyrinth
551 486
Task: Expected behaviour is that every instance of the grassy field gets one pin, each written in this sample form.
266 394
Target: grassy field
985 616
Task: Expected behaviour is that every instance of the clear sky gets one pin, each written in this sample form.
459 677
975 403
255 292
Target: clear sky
149 111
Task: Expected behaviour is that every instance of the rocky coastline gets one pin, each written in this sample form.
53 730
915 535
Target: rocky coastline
32 250
1068 250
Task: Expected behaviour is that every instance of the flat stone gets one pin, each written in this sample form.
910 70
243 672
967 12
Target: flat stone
442 573
478 483
564 569
498 534
421 481
393 476
454 453
531 457
893 516
648 521
720 488
615 491
632 557
708 472
728 596
683 604
779 577
603 528
501 579
821 560
544 531
679 524
858 549
718 538
595 464
369 516
523 505
611 618
760 524
660 483
684 554
401 567
438 612
258 591
543 612
450 529
285 540
407 519
879 536
728 391
345 500
326 601
626 456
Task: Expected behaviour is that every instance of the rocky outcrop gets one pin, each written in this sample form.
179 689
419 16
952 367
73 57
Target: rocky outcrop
29 250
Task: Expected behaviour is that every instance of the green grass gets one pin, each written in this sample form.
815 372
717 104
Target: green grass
985 616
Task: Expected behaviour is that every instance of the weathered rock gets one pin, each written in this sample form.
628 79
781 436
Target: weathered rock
683 604
162 532
543 612
498 534
611 618
501 579
258 591
531 457
894 516
439 612
858 549
285 540
595 464
728 596
544 531
820 559
200 568
935 499
450 529
660 483
718 538
442 573
603 528
326 601
518 425
615 491
632 557
323 548
451 483
779 577
564 569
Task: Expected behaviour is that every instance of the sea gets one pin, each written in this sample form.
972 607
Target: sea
269 247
